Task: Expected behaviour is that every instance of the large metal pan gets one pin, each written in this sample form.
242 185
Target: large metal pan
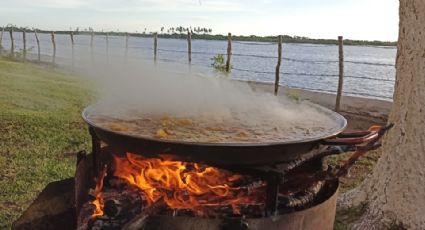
224 154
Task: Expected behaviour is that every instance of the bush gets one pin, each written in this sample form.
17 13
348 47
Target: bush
218 63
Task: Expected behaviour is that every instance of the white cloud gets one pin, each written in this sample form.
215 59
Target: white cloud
356 19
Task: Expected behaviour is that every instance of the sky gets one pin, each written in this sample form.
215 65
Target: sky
353 19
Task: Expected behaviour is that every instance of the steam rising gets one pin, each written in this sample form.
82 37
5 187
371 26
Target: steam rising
131 92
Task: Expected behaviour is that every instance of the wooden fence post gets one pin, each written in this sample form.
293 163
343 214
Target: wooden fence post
279 60
229 51
54 47
107 47
155 46
126 45
189 46
72 47
91 46
38 45
1 38
341 73
12 42
24 40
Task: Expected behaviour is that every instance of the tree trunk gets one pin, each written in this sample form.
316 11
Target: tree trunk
395 192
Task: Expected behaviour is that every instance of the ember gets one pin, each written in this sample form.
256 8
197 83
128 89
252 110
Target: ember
188 185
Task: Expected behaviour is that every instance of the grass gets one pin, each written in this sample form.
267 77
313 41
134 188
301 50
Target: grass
40 128
358 172
347 216
39 123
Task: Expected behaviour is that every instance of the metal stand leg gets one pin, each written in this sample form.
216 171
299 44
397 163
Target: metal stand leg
95 141
273 182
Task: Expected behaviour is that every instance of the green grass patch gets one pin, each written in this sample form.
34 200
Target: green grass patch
358 171
345 217
39 122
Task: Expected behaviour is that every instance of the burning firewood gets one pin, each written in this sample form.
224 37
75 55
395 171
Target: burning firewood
139 221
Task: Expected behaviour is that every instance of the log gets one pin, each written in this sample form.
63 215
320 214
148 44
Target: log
341 73
279 60
52 209
320 216
140 220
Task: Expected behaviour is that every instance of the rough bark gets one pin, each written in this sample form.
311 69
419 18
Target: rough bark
395 191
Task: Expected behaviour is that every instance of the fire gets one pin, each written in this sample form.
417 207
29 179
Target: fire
98 201
184 185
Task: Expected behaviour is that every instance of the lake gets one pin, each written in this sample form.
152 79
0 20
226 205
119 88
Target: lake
369 71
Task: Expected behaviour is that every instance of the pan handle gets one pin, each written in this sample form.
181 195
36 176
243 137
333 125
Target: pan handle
356 138
362 145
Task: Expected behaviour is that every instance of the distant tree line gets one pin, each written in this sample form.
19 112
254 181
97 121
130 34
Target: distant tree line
180 32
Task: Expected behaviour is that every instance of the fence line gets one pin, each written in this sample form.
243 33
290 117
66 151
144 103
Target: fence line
91 46
72 47
155 46
229 51
1 36
12 43
54 47
38 45
279 60
189 46
24 40
255 43
228 66
341 73
270 57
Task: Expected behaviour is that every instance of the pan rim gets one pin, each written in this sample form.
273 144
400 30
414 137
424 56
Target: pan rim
342 123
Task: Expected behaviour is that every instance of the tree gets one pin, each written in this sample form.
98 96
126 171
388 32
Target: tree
395 192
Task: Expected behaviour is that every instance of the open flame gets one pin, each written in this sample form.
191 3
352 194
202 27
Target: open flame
97 193
184 185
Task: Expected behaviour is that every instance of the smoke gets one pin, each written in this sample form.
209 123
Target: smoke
130 91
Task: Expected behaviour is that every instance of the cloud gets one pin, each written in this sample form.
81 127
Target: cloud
175 6
44 3
361 19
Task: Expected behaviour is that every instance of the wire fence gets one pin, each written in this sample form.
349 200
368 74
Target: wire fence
112 45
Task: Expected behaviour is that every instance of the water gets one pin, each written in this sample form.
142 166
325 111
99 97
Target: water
369 71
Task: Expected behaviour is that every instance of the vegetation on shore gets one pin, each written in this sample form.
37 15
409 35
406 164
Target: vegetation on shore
206 34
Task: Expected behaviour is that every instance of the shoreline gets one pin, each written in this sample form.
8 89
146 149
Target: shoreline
360 112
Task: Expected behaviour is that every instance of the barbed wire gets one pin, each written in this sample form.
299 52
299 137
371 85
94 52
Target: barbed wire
114 46
369 63
238 54
345 92
254 43
313 74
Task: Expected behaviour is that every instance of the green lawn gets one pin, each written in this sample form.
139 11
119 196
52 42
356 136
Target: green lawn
40 128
